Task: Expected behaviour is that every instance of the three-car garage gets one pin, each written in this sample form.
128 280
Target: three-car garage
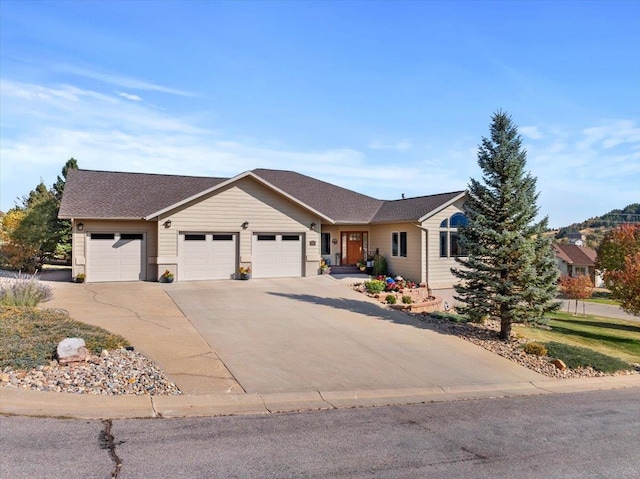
121 256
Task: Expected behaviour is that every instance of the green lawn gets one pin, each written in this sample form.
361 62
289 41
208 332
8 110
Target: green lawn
603 301
614 337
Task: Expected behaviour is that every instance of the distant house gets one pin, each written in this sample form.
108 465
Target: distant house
576 238
575 260
135 226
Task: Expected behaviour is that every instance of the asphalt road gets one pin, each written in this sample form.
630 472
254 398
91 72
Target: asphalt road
584 435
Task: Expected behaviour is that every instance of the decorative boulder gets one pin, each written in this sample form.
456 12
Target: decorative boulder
72 350
559 364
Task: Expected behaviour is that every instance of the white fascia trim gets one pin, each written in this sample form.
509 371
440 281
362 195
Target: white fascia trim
443 206
233 180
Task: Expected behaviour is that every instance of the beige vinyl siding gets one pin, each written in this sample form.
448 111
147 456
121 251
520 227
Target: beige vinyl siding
226 209
79 240
408 267
334 231
438 270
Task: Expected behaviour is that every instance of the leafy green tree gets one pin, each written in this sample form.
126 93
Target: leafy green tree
33 233
510 270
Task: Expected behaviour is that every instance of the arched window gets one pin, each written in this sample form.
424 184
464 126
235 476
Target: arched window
449 238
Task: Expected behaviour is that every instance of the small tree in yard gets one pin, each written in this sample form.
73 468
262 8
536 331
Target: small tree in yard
619 258
576 287
510 271
31 231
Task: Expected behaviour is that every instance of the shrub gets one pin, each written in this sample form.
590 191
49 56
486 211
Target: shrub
24 290
391 299
453 317
379 265
374 286
407 300
537 349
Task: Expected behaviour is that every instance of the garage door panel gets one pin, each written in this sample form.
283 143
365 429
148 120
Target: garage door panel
277 255
115 257
208 256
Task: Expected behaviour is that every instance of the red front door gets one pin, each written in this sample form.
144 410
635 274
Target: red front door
354 247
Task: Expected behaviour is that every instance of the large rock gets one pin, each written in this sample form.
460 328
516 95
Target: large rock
559 364
72 350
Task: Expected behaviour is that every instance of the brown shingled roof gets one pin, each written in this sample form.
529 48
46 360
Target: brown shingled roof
412 209
108 194
104 194
340 204
576 255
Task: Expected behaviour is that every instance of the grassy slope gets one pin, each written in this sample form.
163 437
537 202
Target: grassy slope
615 337
29 336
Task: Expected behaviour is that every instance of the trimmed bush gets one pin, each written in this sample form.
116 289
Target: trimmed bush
374 286
453 317
24 290
391 299
537 349
407 300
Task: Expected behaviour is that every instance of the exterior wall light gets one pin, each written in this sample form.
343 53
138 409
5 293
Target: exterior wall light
80 226
312 226
245 225
167 224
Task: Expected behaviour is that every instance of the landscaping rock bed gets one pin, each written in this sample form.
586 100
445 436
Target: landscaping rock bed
486 336
112 373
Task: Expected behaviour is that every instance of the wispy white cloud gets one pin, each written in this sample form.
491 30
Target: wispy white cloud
531 132
611 134
119 80
129 96
593 169
402 145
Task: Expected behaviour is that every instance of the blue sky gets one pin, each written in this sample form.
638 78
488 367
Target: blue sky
381 97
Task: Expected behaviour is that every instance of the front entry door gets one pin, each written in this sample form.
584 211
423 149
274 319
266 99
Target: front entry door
354 246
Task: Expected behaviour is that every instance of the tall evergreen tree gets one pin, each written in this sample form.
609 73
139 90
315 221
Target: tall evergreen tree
510 272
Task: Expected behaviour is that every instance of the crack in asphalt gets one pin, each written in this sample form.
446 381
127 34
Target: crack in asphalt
106 441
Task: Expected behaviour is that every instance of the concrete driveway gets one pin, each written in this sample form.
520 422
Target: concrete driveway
310 334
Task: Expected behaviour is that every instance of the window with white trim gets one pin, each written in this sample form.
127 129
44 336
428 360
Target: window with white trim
450 245
399 244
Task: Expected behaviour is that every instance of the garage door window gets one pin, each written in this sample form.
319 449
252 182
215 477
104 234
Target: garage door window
131 236
222 238
266 237
290 237
195 237
103 236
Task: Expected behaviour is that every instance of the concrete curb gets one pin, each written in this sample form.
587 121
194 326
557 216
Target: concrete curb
24 402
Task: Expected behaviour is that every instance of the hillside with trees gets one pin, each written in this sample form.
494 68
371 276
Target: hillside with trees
594 229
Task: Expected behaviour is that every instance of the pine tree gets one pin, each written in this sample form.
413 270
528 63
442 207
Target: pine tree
510 272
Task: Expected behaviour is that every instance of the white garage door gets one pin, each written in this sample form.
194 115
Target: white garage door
115 257
277 255
207 256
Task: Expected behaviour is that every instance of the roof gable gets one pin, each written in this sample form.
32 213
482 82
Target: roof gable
340 204
414 209
576 255
108 194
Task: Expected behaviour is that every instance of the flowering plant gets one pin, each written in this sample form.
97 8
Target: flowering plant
167 274
323 264
244 270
